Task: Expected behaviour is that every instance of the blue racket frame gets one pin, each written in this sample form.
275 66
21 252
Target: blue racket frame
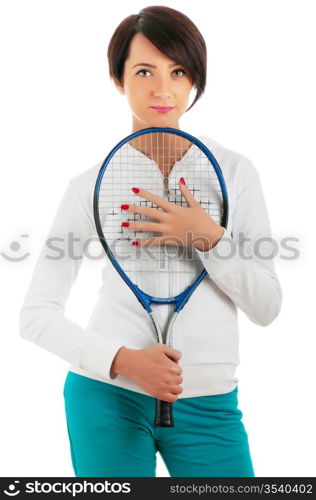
145 299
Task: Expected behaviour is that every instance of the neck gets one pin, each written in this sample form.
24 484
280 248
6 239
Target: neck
137 125
163 148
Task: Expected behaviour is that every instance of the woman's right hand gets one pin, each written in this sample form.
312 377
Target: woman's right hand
153 368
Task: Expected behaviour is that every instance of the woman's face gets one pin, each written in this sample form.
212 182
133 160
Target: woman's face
159 82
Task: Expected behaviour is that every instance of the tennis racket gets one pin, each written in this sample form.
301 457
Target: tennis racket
154 159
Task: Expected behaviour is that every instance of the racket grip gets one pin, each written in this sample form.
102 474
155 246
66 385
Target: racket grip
164 416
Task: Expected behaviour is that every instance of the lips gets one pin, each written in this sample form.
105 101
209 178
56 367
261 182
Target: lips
162 109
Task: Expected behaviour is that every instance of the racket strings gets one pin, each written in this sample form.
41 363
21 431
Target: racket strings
155 162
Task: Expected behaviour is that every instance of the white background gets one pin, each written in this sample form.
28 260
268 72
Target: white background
60 113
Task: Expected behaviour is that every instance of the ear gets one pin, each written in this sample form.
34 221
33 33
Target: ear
119 86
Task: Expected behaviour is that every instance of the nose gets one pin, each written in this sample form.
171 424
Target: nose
162 95
162 89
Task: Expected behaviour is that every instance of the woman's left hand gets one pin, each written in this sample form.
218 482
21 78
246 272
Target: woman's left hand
183 226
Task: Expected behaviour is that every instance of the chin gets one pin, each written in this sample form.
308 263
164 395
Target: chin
163 121
160 121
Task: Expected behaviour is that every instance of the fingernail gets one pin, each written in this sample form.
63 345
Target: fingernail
182 181
125 224
135 190
124 207
135 243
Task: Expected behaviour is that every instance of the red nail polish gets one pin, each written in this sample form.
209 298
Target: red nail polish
124 207
125 224
135 190
135 243
182 181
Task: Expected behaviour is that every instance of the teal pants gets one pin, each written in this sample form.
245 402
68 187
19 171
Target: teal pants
111 433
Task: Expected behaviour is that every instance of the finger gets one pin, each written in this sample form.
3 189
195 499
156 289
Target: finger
168 397
175 389
157 227
157 241
154 213
177 370
160 202
186 193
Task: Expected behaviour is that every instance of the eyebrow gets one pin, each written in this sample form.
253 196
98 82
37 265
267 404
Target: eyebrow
152 66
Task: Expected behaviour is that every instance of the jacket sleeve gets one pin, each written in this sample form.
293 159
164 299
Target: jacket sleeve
241 263
42 319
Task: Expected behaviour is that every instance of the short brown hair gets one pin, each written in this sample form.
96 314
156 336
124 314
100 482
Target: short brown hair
173 33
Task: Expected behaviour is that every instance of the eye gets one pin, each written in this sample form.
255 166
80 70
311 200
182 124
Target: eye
142 71
181 71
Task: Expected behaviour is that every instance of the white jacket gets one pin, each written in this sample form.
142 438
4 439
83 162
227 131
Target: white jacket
206 331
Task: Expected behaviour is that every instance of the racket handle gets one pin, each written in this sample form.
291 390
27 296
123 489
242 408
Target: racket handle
164 416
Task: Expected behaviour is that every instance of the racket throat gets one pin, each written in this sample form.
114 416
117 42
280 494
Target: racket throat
169 333
165 337
166 186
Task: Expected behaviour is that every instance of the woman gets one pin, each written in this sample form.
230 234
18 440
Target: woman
156 59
